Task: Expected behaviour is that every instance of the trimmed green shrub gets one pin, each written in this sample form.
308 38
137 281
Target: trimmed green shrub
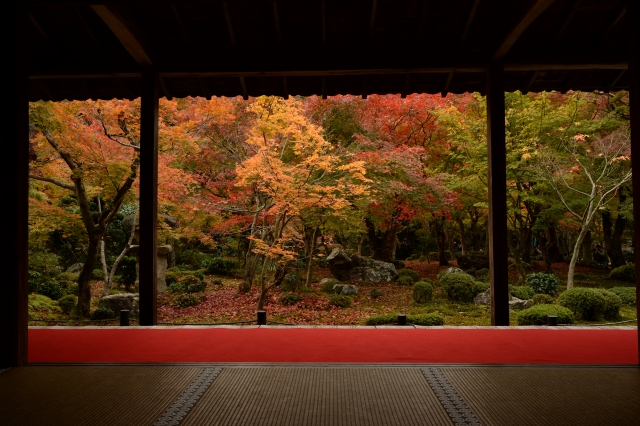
327 287
216 281
422 291
218 265
289 299
481 287
398 264
67 303
63 277
102 313
626 294
425 319
127 270
543 283
405 280
521 292
451 270
176 274
537 315
542 299
186 300
459 287
51 289
97 274
291 282
483 275
375 293
626 273
71 289
340 300
188 284
41 303
586 303
612 304
382 320
415 276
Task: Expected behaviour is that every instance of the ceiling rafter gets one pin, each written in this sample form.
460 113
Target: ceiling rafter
618 16
53 45
405 85
276 24
616 80
372 21
447 85
230 31
566 21
470 18
86 26
243 88
424 12
532 80
128 35
520 27
324 25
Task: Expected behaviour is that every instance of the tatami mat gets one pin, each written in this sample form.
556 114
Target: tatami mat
550 396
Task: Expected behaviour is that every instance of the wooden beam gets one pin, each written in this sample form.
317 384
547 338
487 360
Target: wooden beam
147 251
372 20
498 244
568 17
125 87
616 80
470 17
15 170
175 9
633 10
520 27
618 16
276 24
45 35
165 88
243 88
128 36
230 31
86 26
532 79
445 90
570 83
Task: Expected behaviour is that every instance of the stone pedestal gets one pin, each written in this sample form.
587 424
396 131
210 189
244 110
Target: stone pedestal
162 253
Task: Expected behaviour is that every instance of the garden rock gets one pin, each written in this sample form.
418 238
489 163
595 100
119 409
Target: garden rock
76 268
347 290
119 302
345 266
514 302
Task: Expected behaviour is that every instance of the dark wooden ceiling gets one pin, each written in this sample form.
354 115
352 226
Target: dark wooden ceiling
80 50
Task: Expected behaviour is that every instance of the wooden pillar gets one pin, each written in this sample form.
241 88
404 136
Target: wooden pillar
498 248
633 17
14 172
148 197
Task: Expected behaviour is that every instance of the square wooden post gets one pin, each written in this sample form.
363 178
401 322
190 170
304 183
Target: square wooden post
498 248
148 197
633 17
14 172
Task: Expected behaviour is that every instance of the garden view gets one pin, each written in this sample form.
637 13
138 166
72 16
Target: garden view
338 211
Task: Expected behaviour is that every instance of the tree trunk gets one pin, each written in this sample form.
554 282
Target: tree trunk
574 258
542 244
310 256
475 238
527 244
463 241
613 238
587 248
441 241
83 308
552 245
381 246
361 243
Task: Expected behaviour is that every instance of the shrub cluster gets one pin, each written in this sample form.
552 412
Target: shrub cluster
459 287
291 282
97 274
422 291
537 315
612 304
542 299
626 294
327 287
340 300
375 293
543 283
67 303
483 275
218 265
405 281
177 274
289 299
626 273
481 287
51 289
102 313
586 303
521 292
186 300
415 276
188 284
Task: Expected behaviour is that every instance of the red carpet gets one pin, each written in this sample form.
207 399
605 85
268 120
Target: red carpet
468 346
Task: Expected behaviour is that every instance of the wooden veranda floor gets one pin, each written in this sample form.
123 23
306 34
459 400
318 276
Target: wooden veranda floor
318 394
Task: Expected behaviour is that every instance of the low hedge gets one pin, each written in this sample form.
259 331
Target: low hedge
391 319
102 313
459 287
405 281
521 292
586 303
542 299
626 294
415 276
537 315
612 304
340 300
626 273
375 293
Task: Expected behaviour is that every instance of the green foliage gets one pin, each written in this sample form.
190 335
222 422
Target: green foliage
521 292
40 302
405 280
481 287
381 320
188 284
543 283
291 282
43 267
612 304
67 303
542 299
97 274
340 300
327 287
626 294
218 265
127 270
537 315
102 313
67 277
483 275
626 273
422 291
459 287
375 293
415 276
51 289
175 275
186 300
425 319
289 299
586 303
